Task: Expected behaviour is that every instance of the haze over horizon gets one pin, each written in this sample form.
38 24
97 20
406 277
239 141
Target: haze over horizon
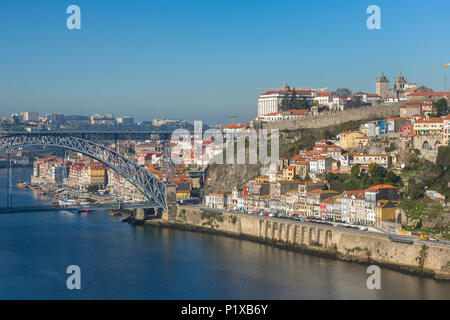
202 60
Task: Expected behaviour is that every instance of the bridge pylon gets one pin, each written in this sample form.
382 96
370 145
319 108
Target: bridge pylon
171 197
9 183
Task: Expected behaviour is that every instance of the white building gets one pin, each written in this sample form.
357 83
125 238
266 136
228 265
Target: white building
320 165
218 200
269 102
31 116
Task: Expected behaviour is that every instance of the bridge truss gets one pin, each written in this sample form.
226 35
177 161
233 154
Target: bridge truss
149 185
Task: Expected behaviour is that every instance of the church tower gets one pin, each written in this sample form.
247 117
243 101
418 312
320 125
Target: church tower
400 82
383 86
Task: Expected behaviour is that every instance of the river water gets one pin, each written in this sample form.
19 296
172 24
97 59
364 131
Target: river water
121 261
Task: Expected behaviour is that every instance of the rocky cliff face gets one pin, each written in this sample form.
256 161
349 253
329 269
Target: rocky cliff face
223 177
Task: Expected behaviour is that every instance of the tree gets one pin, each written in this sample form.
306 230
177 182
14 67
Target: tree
376 171
294 99
440 108
414 190
354 102
355 171
297 104
343 92
93 188
285 103
327 134
302 104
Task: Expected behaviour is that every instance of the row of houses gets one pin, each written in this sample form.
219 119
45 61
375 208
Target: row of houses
326 156
80 173
370 207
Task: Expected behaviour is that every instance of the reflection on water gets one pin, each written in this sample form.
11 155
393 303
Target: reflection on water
119 261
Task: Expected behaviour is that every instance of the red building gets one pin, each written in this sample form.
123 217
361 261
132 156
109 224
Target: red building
407 130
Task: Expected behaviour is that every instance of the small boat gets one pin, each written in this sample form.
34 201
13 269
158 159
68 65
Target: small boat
84 202
22 185
68 202
113 213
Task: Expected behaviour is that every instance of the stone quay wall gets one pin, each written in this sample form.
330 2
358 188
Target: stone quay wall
422 258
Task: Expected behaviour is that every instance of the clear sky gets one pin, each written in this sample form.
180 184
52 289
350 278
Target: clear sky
203 59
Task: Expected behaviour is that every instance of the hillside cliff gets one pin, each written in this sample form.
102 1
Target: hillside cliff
224 177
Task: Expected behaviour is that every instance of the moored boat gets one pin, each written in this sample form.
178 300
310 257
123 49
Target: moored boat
22 185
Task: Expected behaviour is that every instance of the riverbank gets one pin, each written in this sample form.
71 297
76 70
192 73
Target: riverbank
418 259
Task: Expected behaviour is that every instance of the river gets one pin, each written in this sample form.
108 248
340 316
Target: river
121 261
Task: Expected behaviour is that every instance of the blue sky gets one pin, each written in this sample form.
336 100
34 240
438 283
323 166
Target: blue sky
202 60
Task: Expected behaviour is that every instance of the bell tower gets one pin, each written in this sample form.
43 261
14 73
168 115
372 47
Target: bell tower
382 86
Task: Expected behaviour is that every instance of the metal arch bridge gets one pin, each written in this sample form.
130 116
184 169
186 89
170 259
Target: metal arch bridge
149 185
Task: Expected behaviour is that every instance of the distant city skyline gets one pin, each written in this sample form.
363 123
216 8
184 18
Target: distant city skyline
202 60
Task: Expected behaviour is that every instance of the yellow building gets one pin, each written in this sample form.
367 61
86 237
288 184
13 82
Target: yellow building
385 211
262 179
96 174
289 173
430 126
352 140
302 168
183 194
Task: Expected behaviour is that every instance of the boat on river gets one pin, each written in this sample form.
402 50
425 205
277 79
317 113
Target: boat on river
22 185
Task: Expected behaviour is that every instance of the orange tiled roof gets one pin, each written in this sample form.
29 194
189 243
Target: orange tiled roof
381 186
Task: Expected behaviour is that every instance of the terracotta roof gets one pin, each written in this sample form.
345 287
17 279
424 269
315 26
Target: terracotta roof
411 104
301 92
356 193
431 120
236 126
297 112
381 186
429 94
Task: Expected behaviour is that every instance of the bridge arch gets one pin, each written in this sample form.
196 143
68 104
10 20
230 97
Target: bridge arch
436 145
426 146
149 185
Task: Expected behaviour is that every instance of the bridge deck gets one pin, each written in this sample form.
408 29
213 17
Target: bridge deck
116 206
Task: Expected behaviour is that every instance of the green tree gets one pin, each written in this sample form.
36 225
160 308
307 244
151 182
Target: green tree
343 92
285 103
327 134
93 188
302 104
440 108
294 100
355 171
377 171
414 190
